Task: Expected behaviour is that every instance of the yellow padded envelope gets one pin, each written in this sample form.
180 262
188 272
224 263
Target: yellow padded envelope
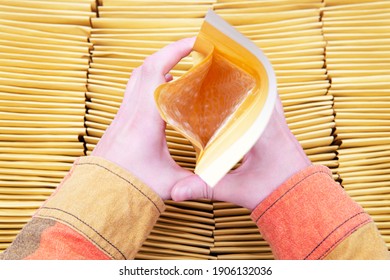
222 104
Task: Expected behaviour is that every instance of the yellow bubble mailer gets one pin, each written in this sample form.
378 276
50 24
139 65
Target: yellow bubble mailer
223 103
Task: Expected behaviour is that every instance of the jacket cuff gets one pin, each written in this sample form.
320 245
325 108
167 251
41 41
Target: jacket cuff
308 215
117 211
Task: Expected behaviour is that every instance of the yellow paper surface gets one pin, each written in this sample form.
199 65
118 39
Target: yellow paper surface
153 14
42 124
37 4
98 119
253 18
40 40
101 114
353 4
370 98
40 18
310 122
349 143
108 79
317 142
157 8
75 86
148 36
24 191
40 117
111 73
55 111
371 172
366 155
105 90
314 134
312 128
44 11
19 131
42 78
293 108
126 3
286 34
37 157
70 145
321 157
39 138
321 150
102 107
122 69
95 132
341 136
99 96
26 184
380 114
358 128
360 104
41 98
306 100
303 111
73 30
181 147
59 166
144 23
37 33
110 103
42 65
42 46
33 104
309 116
342 170
91 139
108 84
42 151
363 150
43 58
96 125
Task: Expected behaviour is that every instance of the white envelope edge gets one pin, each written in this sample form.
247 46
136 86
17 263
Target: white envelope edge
223 164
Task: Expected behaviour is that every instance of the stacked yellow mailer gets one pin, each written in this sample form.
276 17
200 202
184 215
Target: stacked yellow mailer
289 33
44 54
236 236
183 231
44 57
125 33
358 63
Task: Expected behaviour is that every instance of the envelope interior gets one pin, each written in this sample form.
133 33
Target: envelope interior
201 102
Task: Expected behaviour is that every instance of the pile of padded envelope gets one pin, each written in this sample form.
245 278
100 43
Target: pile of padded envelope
64 66
44 61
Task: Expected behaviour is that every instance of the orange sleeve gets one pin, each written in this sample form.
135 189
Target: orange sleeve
310 216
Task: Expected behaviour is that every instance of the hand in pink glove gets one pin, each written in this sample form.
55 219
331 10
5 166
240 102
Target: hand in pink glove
135 140
275 157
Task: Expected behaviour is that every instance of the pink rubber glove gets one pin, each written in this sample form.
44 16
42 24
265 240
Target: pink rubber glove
274 158
135 140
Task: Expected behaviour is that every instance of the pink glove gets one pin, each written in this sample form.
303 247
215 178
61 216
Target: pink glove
135 140
275 157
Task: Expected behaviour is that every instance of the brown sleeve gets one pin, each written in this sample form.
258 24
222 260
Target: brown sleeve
99 211
363 244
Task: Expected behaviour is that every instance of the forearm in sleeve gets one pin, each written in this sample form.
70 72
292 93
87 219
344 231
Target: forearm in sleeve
311 217
99 211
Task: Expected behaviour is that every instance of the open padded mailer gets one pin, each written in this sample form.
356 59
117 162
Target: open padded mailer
224 102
